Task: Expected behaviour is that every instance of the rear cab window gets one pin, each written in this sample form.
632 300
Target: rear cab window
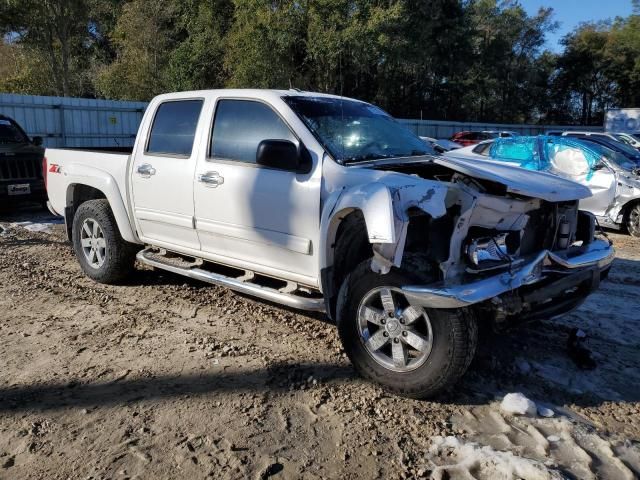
174 128
482 149
240 125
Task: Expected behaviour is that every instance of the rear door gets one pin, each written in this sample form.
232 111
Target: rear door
250 214
162 175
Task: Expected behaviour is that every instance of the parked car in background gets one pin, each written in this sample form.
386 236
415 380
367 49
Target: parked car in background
606 141
614 180
628 139
21 176
325 203
441 145
502 133
473 137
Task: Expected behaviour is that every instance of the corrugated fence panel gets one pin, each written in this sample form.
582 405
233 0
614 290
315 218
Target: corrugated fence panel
75 122
87 122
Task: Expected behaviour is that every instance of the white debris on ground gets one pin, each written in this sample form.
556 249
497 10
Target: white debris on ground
44 226
518 404
500 445
485 463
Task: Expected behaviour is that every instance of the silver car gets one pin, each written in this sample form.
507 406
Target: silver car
613 179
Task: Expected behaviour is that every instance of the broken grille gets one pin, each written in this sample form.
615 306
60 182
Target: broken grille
20 168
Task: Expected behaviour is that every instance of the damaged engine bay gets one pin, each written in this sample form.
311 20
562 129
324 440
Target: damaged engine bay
487 230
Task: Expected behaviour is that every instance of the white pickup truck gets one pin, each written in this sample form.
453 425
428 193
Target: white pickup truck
326 203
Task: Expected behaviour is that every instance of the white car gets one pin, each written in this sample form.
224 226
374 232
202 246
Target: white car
613 178
326 203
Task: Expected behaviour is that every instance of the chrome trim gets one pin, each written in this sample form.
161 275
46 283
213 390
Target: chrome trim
146 170
301 303
211 179
598 253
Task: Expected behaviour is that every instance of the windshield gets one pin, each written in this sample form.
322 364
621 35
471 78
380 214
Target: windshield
627 140
11 133
356 131
614 157
625 149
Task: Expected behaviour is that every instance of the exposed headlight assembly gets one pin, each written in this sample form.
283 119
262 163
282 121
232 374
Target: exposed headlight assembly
487 253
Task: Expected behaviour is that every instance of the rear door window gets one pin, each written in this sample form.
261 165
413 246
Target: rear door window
239 127
174 128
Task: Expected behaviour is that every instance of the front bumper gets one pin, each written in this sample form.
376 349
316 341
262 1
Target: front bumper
572 267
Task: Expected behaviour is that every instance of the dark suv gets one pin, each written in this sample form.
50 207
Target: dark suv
21 176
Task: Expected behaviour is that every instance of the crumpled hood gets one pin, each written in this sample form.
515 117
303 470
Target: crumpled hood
544 185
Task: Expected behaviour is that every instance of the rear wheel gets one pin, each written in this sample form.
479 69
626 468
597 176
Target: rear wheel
100 249
633 220
410 350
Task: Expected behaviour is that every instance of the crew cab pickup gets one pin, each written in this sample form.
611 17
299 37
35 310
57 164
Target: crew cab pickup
326 203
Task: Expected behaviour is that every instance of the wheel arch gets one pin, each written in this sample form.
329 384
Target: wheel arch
95 187
626 210
381 217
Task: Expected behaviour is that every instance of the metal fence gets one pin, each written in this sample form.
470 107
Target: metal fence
86 122
75 122
444 129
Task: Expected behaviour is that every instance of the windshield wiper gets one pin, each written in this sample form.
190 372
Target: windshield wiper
368 156
379 156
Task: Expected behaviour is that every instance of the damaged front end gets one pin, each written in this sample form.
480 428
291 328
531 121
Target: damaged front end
503 252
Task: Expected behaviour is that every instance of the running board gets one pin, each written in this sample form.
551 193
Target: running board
237 284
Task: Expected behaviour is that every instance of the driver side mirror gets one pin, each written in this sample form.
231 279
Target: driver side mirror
37 141
598 166
283 155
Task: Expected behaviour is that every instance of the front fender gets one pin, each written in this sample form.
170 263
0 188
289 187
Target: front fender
384 206
100 180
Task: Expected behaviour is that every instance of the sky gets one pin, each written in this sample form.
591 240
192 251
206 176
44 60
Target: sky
571 13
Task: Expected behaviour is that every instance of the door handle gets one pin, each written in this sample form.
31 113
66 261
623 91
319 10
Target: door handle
211 179
145 170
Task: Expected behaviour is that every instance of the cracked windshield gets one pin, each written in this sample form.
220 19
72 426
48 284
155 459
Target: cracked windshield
356 131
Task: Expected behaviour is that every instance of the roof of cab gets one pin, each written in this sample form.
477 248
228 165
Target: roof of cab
265 94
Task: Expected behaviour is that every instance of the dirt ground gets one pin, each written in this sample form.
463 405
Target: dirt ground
170 378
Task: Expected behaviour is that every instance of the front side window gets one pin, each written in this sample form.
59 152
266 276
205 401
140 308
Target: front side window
174 128
355 131
239 127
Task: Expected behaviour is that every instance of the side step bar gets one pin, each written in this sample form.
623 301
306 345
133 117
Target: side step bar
267 293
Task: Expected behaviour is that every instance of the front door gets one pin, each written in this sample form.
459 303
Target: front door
162 176
602 184
248 214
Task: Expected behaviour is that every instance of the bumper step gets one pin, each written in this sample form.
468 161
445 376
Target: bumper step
245 282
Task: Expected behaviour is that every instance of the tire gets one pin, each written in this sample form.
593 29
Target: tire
114 258
453 335
633 220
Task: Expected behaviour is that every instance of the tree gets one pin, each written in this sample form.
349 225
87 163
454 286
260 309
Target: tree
55 32
584 70
197 61
142 38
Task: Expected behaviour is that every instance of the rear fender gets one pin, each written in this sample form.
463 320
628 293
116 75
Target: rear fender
100 180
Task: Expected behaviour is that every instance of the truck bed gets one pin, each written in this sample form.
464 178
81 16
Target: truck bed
101 168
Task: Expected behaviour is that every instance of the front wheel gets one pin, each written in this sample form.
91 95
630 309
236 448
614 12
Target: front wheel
633 220
410 350
100 249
